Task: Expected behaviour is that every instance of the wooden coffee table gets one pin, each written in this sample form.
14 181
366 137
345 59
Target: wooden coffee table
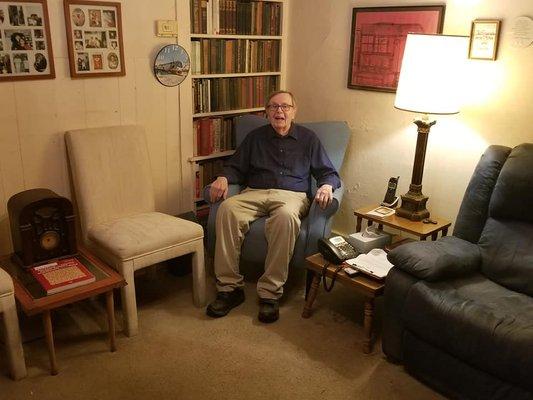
370 288
34 300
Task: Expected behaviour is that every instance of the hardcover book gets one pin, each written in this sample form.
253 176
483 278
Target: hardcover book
62 275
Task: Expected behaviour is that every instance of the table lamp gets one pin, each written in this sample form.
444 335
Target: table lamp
429 84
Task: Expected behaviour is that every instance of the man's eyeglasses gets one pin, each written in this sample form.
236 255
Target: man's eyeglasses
274 107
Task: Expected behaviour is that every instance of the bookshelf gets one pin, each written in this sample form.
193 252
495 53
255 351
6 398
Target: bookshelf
238 54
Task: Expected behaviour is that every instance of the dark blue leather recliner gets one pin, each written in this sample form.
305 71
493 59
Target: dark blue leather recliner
459 311
334 137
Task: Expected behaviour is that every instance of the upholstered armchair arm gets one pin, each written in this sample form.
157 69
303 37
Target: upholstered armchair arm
448 257
233 189
319 221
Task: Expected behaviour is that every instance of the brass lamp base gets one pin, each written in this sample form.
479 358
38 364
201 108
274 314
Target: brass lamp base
413 204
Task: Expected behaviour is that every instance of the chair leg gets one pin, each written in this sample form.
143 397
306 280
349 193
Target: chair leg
15 353
129 302
198 275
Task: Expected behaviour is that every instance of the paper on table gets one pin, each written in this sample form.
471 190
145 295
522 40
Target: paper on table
374 263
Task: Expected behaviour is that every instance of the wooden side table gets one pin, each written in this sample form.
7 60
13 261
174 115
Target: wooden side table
417 228
33 298
368 287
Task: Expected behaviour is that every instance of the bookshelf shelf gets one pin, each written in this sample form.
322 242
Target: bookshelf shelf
228 112
238 55
211 156
236 75
250 37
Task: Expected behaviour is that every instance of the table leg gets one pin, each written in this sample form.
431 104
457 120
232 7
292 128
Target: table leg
369 314
312 295
111 319
358 224
434 236
444 232
47 324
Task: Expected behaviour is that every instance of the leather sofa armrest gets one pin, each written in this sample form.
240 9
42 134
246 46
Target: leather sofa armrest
448 257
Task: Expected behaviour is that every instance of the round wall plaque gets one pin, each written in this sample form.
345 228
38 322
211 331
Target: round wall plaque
171 65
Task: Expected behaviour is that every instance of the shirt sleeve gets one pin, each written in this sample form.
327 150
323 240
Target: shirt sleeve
321 167
237 167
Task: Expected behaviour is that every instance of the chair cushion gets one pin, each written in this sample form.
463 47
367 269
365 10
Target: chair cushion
6 283
140 234
477 321
506 250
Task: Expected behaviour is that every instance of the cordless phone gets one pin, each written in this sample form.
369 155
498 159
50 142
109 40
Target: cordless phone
391 200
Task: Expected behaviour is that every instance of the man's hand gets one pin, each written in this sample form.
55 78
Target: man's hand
219 189
324 195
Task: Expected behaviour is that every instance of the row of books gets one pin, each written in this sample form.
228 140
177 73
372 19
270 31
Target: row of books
223 94
205 173
213 135
226 56
241 17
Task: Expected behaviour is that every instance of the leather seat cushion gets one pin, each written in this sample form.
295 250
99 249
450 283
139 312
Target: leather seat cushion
477 321
6 284
132 236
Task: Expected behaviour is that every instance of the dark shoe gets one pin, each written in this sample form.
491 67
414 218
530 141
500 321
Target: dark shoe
224 302
268 310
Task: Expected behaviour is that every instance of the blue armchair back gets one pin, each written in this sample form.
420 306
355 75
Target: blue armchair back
334 136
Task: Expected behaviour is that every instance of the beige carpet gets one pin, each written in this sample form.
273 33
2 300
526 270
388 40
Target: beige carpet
182 354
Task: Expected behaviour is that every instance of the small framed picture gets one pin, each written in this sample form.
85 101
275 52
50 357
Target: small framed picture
25 46
484 39
94 37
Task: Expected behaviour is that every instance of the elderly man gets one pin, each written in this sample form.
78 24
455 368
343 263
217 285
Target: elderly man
274 162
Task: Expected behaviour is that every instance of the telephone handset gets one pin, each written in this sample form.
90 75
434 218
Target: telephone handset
336 249
390 196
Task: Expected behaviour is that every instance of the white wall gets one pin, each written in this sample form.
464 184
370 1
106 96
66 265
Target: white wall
497 110
35 114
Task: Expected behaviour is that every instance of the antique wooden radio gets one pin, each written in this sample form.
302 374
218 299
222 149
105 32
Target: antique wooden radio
42 226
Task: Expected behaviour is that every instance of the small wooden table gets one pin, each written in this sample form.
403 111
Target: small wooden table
370 288
34 299
417 228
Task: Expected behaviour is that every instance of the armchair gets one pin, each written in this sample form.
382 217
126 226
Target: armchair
334 137
13 343
459 311
112 179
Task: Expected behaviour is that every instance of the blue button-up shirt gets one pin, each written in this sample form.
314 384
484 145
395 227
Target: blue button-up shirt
267 160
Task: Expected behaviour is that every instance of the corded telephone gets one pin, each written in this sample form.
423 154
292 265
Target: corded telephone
390 196
336 249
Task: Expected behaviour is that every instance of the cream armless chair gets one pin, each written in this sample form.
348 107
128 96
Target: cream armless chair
112 179
8 309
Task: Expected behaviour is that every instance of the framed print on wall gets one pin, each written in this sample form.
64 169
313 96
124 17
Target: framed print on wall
94 38
25 46
378 40
484 39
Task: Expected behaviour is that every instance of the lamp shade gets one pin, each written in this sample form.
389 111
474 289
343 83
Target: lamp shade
430 77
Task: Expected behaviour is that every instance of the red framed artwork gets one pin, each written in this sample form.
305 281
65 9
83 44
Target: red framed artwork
378 40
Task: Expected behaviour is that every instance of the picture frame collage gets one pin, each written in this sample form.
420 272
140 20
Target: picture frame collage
94 38
25 45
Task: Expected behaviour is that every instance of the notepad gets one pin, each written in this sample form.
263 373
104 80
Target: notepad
374 263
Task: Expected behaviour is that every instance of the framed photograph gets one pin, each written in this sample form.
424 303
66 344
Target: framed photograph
484 39
94 38
378 40
25 46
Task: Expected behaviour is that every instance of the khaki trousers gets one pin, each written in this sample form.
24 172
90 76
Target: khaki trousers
283 209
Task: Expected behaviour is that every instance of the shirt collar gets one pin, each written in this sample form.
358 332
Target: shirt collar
293 131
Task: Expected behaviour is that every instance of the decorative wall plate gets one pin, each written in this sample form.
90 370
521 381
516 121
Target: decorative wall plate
172 65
